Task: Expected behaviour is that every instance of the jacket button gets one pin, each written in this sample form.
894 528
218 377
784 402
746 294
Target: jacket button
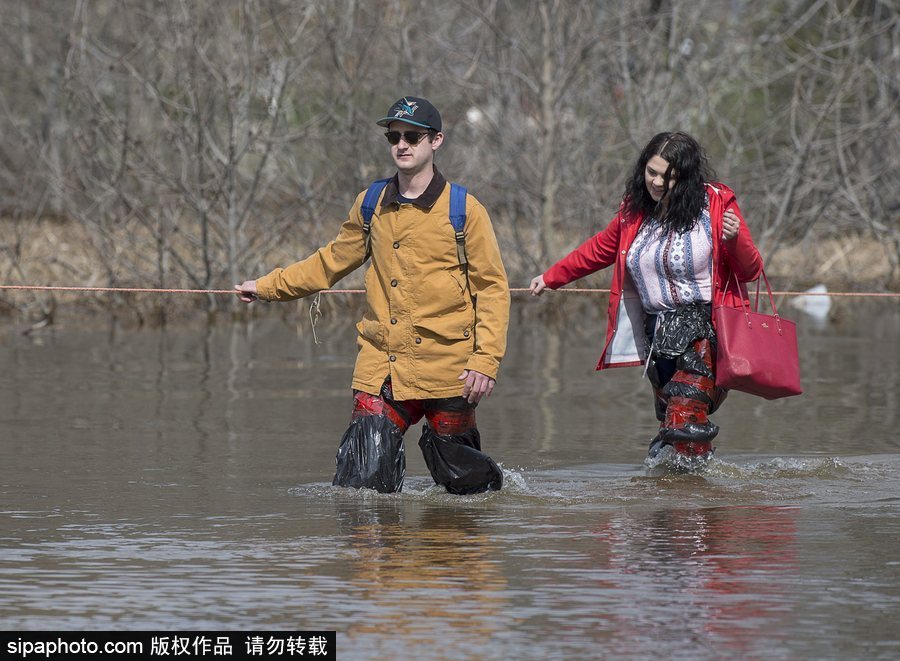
418 340
393 321
393 358
623 252
465 333
396 244
393 283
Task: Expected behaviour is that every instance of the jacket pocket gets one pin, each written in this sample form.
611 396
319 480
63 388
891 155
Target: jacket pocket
458 275
441 294
449 327
371 330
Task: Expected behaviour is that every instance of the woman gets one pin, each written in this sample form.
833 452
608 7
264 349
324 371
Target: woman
675 245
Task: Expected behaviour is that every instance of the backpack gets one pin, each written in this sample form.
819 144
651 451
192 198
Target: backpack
457 215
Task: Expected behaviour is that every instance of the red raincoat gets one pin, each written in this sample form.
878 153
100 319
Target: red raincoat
625 342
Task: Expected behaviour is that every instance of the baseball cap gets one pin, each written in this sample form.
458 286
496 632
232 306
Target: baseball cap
413 110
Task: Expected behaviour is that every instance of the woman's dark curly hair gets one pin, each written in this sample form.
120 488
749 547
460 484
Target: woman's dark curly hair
680 207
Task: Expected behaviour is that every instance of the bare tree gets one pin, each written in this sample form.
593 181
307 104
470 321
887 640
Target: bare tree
184 110
183 143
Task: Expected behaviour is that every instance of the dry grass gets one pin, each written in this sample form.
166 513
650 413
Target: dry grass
56 253
853 263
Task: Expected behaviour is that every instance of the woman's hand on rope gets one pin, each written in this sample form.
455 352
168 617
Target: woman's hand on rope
247 291
537 286
477 385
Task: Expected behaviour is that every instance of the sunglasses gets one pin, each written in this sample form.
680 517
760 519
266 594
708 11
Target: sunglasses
409 137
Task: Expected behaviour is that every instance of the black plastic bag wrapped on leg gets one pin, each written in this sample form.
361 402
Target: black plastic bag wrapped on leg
690 432
371 456
457 463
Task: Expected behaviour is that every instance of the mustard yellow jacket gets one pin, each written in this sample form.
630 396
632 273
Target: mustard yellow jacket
423 324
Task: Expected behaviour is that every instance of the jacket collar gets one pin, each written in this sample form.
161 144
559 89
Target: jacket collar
425 201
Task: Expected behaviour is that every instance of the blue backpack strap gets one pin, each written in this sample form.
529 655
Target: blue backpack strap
458 219
367 209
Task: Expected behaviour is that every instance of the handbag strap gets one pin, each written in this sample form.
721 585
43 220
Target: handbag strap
745 307
737 287
755 308
763 276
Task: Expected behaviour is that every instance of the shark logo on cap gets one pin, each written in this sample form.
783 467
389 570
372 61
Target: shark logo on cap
406 109
412 110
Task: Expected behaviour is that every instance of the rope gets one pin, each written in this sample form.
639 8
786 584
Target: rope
515 290
122 289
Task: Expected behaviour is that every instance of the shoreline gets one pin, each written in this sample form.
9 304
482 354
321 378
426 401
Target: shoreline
339 310
59 253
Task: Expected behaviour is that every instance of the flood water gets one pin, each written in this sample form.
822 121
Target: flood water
179 479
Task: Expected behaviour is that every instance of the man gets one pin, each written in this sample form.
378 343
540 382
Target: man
434 330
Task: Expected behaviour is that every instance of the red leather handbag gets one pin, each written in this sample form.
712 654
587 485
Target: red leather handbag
757 353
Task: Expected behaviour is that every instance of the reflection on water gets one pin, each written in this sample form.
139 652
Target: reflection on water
722 571
431 579
179 478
